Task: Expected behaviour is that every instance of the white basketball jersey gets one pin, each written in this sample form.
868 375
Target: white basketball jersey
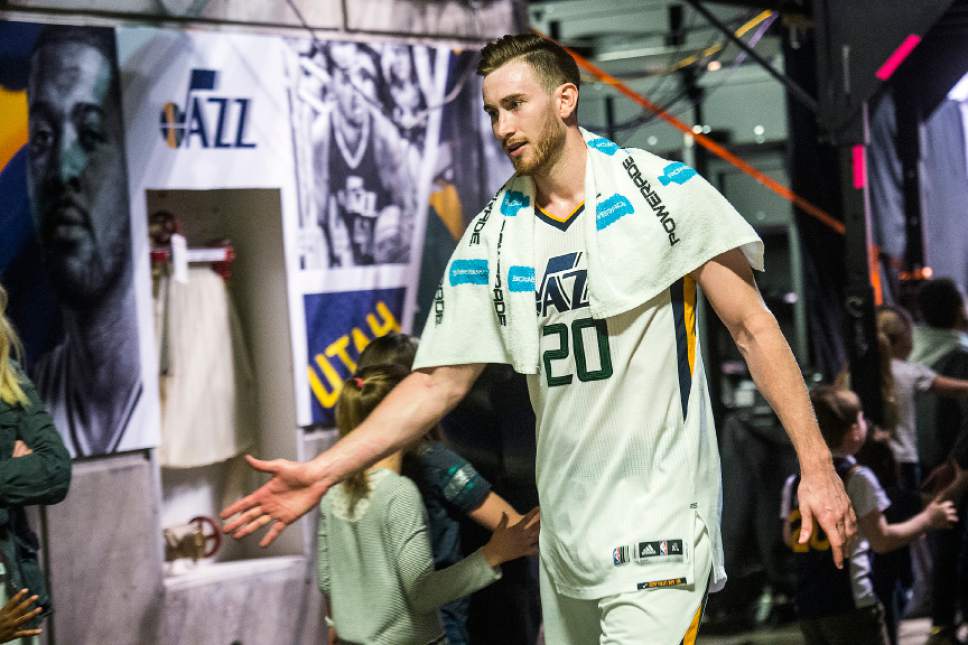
627 457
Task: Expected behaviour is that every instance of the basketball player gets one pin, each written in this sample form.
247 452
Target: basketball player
627 465
365 186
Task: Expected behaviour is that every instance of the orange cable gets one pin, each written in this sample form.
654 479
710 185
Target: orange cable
707 143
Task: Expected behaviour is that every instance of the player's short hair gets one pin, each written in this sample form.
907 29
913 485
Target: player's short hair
836 409
393 349
940 302
553 65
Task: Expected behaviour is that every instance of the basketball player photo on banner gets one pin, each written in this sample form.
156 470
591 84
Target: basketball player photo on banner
366 121
66 256
361 129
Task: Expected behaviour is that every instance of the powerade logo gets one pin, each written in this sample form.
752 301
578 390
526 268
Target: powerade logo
500 309
206 121
513 202
676 172
612 209
653 198
480 223
521 279
603 145
439 304
468 272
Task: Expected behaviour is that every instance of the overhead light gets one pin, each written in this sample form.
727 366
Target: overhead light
714 66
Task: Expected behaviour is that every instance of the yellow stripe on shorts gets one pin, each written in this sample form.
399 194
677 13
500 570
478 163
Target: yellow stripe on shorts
693 632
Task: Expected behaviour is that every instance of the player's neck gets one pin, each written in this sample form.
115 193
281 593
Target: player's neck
562 185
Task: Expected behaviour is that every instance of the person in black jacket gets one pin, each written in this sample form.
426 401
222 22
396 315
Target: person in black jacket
35 468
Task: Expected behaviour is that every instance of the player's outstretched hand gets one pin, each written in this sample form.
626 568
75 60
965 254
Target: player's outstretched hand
824 501
291 493
15 614
512 542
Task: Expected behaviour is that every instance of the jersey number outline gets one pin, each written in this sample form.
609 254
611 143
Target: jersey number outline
581 360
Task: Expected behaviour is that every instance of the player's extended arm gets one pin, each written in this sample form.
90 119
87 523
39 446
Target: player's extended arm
727 282
412 408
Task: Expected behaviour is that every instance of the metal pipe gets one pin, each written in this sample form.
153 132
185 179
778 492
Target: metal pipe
798 92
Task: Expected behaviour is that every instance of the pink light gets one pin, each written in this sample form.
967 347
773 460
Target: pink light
860 167
894 60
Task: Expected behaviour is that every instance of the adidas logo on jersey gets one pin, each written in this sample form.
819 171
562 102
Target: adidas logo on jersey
671 549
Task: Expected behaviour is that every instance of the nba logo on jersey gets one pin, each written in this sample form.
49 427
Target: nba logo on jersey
620 555
663 548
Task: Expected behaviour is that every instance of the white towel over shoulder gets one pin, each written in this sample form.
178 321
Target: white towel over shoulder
654 221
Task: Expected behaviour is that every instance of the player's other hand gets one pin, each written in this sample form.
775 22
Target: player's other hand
292 492
514 541
824 502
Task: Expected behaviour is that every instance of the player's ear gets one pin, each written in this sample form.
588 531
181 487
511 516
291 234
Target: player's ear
566 96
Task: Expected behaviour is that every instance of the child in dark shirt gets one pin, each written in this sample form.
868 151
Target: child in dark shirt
839 606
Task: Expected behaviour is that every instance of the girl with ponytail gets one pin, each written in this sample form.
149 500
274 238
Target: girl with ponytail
375 563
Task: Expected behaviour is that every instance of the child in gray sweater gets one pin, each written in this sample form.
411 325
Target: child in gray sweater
375 562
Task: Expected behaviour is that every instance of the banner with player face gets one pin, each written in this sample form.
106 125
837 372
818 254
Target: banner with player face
365 122
346 132
66 253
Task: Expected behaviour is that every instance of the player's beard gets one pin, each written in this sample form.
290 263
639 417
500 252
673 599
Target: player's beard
547 148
